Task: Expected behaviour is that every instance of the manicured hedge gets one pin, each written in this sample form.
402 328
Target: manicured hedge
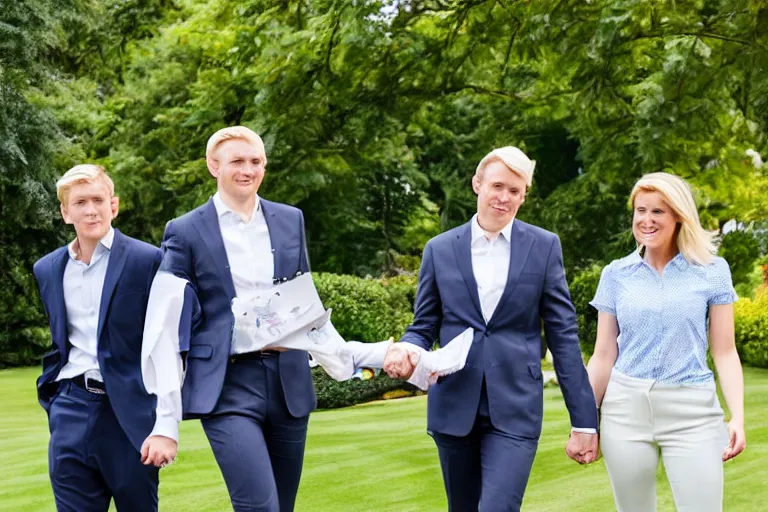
752 329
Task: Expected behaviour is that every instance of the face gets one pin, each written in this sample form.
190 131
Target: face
499 195
654 224
239 168
90 208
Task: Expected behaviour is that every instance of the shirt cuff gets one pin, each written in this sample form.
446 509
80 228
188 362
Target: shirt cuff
584 430
166 426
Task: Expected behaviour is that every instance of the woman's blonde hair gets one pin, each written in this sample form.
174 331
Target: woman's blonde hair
694 242
83 173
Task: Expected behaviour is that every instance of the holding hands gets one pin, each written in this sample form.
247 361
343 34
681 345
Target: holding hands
400 362
159 451
583 448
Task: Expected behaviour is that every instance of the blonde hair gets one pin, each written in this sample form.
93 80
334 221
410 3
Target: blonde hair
79 174
234 133
515 160
694 242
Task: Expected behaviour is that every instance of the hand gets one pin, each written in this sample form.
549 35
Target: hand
399 361
583 448
158 450
737 439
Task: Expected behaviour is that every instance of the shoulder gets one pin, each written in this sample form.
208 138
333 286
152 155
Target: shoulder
622 266
279 208
44 263
140 246
536 231
447 237
189 218
139 249
718 268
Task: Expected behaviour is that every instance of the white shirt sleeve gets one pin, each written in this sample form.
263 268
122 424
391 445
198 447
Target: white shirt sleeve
161 364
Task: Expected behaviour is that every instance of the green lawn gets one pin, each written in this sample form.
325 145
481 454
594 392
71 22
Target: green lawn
374 457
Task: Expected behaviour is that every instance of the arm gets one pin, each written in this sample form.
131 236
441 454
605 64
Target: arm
605 355
428 308
723 346
161 363
428 314
560 327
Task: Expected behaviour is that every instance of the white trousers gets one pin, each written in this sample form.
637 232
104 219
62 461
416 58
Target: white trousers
642 419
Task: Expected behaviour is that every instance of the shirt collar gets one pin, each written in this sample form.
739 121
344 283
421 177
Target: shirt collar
635 259
478 231
222 209
105 244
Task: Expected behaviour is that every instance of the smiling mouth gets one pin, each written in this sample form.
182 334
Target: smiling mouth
650 233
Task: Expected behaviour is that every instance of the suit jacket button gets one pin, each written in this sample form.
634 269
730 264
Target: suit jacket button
487 333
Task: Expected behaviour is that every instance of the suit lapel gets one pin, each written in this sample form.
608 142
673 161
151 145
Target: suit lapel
58 306
275 238
117 257
211 232
519 248
462 246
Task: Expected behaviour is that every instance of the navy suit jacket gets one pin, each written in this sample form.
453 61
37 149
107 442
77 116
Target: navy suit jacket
132 266
193 249
506 349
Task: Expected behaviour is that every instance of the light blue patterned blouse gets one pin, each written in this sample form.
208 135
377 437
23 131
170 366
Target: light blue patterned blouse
663 319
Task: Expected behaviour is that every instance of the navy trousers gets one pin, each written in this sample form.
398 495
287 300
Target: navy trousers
90 459
487 470
258 445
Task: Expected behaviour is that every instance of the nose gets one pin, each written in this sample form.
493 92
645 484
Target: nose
90 208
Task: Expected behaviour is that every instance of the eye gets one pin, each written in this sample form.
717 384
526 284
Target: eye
640 209
658 211
98 200
79 202
237 161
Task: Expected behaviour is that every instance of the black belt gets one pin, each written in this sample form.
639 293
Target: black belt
250 356
90 385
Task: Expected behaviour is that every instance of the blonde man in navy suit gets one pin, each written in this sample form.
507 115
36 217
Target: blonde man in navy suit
505 279
254 405
109 436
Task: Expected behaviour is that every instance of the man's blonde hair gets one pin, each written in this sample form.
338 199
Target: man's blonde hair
234 133
83 173
515 160
694 242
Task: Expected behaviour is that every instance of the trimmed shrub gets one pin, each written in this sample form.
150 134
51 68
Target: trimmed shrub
368 310
332 394
752 329
583 287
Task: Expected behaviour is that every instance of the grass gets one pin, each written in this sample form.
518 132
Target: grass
374 457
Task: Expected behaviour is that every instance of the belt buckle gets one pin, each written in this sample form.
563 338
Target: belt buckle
88 387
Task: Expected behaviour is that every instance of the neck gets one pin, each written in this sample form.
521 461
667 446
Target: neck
491 230
84 248
242 206
659 257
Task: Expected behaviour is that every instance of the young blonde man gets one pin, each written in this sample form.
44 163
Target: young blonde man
109 436
254 405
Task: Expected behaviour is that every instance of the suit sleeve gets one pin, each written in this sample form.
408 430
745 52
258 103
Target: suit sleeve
560 327
428 309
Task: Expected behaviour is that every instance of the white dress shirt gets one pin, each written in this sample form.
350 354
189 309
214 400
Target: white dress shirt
249 252
83 283
490 264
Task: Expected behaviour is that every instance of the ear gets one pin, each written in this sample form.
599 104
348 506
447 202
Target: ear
476 184
64 214
213 166
115 204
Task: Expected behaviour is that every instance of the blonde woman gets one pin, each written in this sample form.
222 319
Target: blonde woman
670 300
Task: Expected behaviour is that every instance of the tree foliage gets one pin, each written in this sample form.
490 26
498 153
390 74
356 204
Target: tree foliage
376 112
